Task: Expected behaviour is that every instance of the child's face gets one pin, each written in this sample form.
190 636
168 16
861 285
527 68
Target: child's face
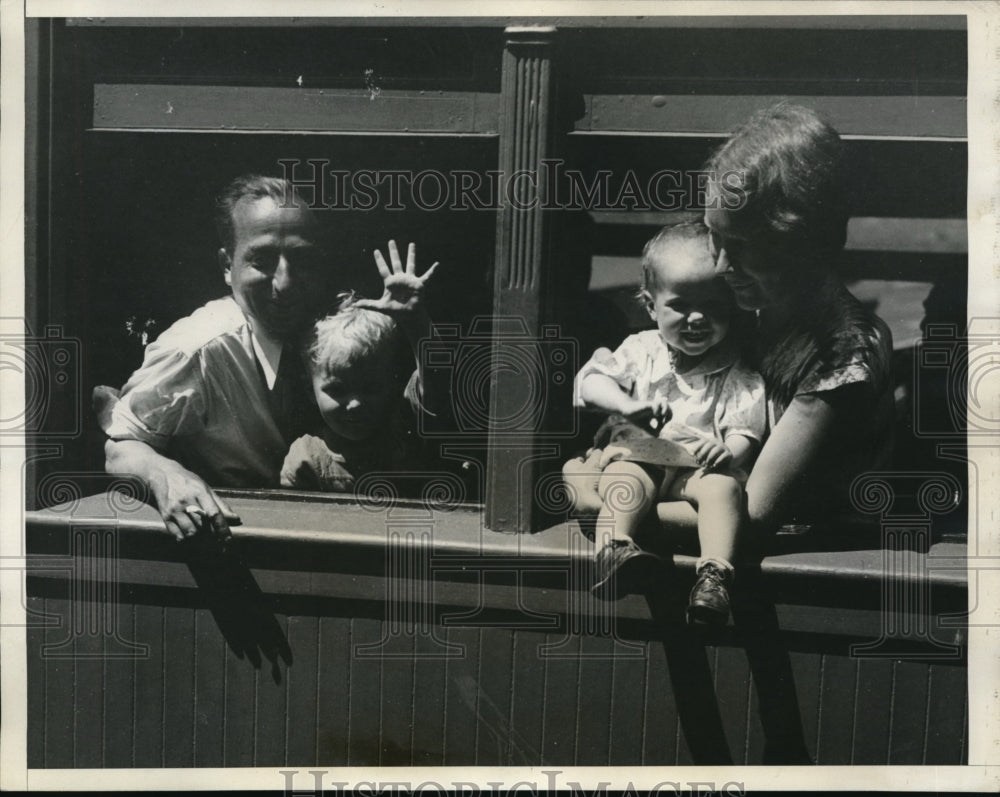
355 396
690 306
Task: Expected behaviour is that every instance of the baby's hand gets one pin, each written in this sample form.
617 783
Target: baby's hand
712 455
403 289
653 413
610 454
311 465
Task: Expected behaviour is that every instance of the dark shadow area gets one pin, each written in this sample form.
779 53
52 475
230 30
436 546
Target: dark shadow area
756 624
754 627
931 400
236 602
690 675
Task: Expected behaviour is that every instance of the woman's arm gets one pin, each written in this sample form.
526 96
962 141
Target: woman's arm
809 438
807 448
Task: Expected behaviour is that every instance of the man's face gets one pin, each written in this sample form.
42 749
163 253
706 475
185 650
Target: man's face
275 268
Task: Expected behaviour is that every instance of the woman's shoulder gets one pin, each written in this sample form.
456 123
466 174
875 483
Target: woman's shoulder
854 346
833 340
857 333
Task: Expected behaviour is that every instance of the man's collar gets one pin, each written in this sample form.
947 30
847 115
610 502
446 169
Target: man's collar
268 351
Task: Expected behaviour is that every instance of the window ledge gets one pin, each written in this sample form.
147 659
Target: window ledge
326 520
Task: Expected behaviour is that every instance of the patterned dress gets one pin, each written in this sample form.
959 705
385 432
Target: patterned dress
716 398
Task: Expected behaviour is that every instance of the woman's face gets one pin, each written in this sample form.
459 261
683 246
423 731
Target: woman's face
751 266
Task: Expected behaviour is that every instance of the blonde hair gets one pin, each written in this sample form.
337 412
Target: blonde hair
354 333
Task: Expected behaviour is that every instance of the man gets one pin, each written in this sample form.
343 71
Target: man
219 398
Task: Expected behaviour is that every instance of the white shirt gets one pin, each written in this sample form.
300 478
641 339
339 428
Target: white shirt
198 397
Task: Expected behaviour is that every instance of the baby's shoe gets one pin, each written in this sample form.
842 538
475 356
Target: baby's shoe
622 567
708 603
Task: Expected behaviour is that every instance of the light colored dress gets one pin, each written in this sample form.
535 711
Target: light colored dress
716 398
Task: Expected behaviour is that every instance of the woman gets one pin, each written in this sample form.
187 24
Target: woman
777 216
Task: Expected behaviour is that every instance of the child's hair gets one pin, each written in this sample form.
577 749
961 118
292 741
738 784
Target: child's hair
359 333
678 232
251 187
791 167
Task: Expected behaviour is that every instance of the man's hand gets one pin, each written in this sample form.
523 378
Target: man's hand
186 504
403 290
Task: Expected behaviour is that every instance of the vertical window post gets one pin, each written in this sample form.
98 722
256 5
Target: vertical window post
518 381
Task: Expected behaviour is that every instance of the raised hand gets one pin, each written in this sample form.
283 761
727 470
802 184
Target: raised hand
403 289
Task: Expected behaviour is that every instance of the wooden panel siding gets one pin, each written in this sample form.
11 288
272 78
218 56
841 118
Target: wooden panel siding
884 177
865 233
267 664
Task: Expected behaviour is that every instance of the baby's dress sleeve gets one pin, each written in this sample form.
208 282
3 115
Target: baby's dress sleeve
623 366
164 399
742 407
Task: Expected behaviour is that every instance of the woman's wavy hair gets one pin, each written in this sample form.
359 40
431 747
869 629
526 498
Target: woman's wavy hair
790 165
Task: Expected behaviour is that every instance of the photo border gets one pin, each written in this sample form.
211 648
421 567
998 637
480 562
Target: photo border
982 774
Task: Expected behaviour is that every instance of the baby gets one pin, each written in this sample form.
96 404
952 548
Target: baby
684 380
361 363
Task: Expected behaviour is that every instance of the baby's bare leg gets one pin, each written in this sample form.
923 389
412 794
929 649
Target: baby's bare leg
582 476
627 493
718 498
